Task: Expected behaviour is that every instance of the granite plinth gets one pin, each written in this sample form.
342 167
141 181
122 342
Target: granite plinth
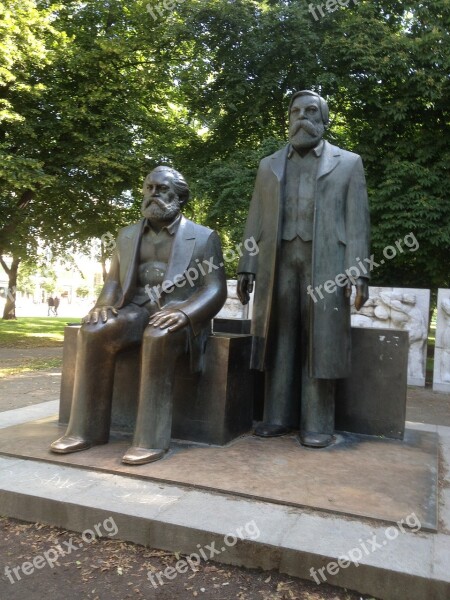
219 405
406 564
402 309
358 475
373 400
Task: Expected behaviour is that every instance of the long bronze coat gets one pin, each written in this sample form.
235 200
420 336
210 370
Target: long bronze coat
340 240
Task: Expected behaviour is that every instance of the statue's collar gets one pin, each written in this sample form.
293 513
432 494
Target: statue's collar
171 228
317 150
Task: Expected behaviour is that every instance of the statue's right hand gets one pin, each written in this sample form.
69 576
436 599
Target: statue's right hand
92 316
245 286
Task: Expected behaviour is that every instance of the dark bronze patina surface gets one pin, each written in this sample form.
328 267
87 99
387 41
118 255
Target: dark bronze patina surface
309 216
165 284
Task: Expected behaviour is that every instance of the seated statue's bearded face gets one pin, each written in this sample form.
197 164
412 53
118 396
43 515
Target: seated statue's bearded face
161 203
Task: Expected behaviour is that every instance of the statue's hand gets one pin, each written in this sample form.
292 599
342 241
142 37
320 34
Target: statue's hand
362 292
169 318
245 286
92 316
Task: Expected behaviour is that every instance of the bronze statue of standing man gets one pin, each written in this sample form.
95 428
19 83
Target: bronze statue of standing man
309 215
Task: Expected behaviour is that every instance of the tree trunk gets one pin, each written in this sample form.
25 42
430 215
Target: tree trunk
8 231
9 311
103 258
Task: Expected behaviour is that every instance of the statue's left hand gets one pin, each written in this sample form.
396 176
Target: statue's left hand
362 292
169 318
99 311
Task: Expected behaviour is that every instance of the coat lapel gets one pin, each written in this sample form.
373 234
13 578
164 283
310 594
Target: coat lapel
328 160
131 258
182 250
278 162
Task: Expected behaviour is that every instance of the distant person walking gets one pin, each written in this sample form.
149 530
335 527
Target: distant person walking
51 305
55 305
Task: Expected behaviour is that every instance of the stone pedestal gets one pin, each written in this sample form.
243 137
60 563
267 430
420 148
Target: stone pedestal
373 399
401 309
214 407
219 405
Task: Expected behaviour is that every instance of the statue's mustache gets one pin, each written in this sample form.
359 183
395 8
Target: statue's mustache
157 201
307 126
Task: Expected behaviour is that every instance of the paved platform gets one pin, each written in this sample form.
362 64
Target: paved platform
388 561
357 476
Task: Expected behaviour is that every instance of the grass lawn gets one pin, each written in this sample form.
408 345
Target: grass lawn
33 332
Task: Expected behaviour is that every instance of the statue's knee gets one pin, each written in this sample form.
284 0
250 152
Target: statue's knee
155 333
95 331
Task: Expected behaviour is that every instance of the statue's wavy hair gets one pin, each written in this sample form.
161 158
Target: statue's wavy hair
323 105
179 183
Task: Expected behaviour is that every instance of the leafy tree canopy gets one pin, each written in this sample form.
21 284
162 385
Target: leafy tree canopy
94 94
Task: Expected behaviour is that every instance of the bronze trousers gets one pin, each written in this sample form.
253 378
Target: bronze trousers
97 348
292 397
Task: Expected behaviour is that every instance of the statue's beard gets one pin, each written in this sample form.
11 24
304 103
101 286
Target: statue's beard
157 211
304 134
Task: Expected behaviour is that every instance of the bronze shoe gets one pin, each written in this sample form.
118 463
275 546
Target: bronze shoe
269 430
69 443
315 440
140 456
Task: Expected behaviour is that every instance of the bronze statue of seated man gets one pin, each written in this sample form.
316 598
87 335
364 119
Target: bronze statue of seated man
165 284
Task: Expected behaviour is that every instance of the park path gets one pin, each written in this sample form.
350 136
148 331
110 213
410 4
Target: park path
26 389
12 357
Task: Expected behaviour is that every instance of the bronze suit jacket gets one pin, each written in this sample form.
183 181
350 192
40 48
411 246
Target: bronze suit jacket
198 291
340 238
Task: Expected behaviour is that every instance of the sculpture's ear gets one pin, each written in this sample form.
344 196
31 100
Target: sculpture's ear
184 199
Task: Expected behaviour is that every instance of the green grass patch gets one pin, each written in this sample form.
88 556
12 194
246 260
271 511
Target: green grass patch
29 366
33 332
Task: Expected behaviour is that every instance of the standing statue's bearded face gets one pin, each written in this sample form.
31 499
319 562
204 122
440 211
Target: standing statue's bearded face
306 126
161 203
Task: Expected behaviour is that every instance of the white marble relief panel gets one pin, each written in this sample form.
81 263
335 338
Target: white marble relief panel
233 309
441 374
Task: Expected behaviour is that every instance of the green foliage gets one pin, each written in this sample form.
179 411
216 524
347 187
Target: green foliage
95 94
384 68
82 291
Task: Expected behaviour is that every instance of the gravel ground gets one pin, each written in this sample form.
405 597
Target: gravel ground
106 569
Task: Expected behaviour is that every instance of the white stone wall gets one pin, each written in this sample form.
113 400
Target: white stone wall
233 309
441 374
406 309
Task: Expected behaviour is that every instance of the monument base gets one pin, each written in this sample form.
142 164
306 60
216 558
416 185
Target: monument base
219 404
353 477
356 476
